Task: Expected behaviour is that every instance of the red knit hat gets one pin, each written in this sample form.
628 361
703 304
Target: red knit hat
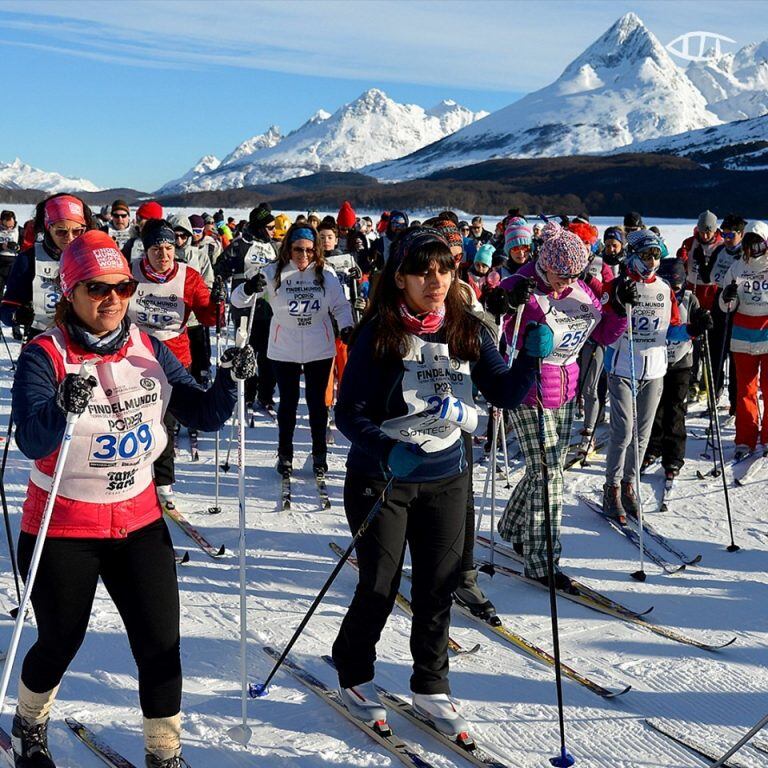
150 210
347 217
93 254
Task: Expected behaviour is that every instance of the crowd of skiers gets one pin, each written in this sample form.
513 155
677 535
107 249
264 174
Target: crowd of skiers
399 329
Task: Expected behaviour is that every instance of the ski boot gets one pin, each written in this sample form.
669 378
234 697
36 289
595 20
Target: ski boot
562 583
30 744
165 497
442 713
153 761
319 464
469 595
284 465
648 460
518 547
741 452
612 503
363 703
629 499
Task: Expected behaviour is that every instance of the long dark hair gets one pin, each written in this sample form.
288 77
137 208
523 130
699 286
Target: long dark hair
390 337
284 255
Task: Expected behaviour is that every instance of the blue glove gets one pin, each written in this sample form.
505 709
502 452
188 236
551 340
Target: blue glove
538 341
403 459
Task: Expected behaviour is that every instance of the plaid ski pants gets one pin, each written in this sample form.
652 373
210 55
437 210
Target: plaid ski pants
523 518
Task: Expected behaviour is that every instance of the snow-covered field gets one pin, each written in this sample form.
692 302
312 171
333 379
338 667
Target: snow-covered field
508 697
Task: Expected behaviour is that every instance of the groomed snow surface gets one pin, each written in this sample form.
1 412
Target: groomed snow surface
508 697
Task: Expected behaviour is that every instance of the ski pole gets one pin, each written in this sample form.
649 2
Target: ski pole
225 466
257 690
732 547
564 759
741 742
85 371
6 516
242 733
711 410
638 575
216 508
7 349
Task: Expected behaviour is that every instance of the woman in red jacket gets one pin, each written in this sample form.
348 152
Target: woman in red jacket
106 521
167 292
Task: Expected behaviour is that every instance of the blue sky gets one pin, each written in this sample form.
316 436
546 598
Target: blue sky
134 93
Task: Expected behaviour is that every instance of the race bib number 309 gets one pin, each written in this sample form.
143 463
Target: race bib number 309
114 448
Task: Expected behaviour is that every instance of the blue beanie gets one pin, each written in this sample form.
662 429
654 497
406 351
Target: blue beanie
484 254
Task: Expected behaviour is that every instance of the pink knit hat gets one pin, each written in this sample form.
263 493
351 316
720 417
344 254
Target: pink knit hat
64 208
562 251
93 254
517 232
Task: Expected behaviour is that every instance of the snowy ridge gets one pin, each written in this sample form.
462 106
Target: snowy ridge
203 165
20 175
373 128
624 89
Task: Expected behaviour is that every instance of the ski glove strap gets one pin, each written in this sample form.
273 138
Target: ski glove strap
241 361
75 392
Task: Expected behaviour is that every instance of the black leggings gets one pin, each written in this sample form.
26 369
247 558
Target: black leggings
316 376
139 573
431 519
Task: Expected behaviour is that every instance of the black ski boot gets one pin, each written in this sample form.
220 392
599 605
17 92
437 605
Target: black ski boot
518 547
153 761
30 744
472 597
284 465
319 464
647 461
629 499
562 583
612 503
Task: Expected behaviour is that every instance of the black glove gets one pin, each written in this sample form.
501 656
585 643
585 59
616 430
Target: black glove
75 392
520 292
354 273
499 301
24 316
255 284
496 301
345 334
241 361
700 321
730 293
218 291
699 256
625 292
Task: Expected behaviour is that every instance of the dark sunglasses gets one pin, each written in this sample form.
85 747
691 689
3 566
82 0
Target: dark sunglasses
98 291
730 235
181 235
119 215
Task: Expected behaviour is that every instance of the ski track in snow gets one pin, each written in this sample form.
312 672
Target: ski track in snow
508 697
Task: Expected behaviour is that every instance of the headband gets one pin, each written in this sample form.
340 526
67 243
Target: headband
304 233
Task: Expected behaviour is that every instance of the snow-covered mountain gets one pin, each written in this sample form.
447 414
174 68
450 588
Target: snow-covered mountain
741 145
371 129
735 85
623 88
204 165
19 175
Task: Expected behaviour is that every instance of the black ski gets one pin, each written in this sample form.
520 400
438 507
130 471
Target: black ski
464 745
322 490
404 604
182 559
381 733
97 745
674 733
193 533
285 491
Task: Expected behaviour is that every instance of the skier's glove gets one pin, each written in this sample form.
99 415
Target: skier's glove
520 292
538 340
701 321
730 293
255 284
241 361
354 273
404 458
625 292
218 291
75 392
345 333
359 304
24 316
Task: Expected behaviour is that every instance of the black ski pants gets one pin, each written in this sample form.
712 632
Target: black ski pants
719 348
430 518
139 573
315 381
165 464
200 349
668 434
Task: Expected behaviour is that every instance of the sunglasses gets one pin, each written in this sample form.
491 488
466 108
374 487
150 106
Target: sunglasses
730 235
197 230
98 291
119 215
181 235
270 227
307 251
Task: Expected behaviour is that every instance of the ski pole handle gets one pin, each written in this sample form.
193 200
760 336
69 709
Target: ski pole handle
515 334
86 369
241 337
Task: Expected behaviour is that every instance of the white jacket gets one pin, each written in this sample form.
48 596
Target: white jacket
301 329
